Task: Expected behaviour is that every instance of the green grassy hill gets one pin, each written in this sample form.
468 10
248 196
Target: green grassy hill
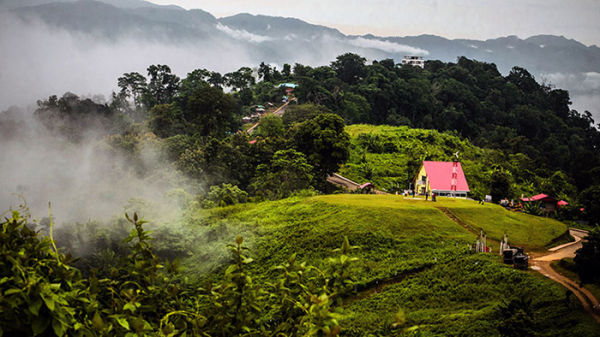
412 257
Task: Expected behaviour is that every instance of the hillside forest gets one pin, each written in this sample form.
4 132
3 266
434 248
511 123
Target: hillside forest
516 136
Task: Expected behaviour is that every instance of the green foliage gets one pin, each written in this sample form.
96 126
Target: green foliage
43 295
516 318
300 113
590 199
270 126
587 259
74 119
324 142
162 86
412 257
533 207
500 188
208 111
228 194
288 172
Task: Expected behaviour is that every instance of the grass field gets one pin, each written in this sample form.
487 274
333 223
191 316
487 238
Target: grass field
418 258
525 230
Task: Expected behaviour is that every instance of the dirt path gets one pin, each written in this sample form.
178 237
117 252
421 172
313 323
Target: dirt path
279 112
542 265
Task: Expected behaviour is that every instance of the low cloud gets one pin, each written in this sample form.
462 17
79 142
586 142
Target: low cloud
584 89
243 35
387 46
39 61
579 83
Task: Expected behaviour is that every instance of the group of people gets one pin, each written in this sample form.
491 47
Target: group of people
412 192
432 196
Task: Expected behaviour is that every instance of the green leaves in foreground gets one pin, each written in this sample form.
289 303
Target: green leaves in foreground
41 294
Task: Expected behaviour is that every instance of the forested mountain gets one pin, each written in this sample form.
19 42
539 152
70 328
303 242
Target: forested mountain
243 38
543 54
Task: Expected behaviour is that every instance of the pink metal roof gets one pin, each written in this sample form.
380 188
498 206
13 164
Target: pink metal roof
562 203
439 174
539 197
366 185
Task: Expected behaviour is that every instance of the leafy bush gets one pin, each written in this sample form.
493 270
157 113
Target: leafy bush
42 294
227 194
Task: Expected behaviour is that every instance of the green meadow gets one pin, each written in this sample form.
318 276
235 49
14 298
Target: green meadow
414 266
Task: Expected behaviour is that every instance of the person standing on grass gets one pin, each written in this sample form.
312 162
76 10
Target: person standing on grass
433 196
426 195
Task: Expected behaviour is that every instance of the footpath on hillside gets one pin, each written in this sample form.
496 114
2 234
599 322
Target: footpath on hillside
542 265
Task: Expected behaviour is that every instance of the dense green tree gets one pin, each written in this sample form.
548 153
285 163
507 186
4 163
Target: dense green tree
227 194
265 72
240 79
324 142
500 185
300 113
287 70
210 112
164 121
349 67
162 86
287 172
587 259
133 85
270 126
590 198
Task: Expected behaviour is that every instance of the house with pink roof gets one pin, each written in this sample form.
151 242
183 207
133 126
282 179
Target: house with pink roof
547 203
442 178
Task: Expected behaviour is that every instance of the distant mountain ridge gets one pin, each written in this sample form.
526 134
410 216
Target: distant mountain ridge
542 54
278 40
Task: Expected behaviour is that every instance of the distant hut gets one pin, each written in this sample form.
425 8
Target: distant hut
438 177
289 87
547 203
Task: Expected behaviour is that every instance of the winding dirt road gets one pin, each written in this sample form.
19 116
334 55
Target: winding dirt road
542 265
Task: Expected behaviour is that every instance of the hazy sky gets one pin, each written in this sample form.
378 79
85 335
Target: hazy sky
471 19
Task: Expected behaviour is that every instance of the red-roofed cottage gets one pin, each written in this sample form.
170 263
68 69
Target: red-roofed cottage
547 203
439 176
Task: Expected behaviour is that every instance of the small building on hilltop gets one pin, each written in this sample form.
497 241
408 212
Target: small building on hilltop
442 178
416 61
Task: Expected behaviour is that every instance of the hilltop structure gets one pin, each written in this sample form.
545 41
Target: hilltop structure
441 178
416 61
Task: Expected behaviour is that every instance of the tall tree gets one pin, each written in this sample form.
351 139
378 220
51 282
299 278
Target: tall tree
241 79
288 172
162 86
133 85
210 112
324 142
349 67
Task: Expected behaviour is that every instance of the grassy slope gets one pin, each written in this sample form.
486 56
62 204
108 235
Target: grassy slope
448 291
533 232
415 145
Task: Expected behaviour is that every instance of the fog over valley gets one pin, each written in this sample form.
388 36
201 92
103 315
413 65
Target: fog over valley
82 47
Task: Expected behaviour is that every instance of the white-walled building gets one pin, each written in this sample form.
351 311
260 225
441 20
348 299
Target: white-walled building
416 61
